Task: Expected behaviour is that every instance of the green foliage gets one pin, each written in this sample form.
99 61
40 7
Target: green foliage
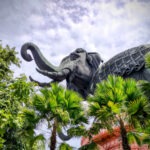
145 85
77 131
147 60
65 146
117 99
16 132
91 146
37 142
8 57
145 88
145 135
59 103
57 106
14 99
134 137
20 112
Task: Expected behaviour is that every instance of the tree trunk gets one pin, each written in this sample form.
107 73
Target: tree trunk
125 143
53 136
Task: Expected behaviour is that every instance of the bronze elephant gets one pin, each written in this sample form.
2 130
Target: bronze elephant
81 69
77 69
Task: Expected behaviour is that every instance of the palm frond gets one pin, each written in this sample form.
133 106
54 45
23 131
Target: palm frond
77 131
145 88
147 60
79 119
38 142
90 146
29 115
131 90
115 108
134 137
146 140
40 103
139 112
62 116
93 108
65 146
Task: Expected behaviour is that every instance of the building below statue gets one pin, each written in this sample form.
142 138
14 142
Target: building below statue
111 141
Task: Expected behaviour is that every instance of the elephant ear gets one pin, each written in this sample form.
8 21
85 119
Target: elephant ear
66 64
94 60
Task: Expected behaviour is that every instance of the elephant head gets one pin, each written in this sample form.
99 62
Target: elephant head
84 67
77 69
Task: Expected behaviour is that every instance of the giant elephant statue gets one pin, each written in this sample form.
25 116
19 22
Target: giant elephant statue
77 69
81 69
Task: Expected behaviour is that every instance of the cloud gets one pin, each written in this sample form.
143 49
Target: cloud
59 27
78 24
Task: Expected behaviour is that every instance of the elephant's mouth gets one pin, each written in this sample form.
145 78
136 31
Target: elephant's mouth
74 56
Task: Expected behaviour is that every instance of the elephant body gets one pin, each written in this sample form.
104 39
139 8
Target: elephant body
128 64
81 69
125 63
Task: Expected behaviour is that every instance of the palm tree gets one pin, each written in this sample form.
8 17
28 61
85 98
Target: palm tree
60 108
118 102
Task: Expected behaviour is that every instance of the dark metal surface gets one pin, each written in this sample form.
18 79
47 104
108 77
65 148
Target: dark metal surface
81 69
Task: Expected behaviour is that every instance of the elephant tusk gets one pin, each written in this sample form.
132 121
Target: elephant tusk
41 84
57 76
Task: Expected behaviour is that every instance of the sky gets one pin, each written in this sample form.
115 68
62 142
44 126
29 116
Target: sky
58 27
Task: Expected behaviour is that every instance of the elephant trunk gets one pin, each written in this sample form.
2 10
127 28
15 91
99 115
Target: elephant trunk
40 60
64 137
